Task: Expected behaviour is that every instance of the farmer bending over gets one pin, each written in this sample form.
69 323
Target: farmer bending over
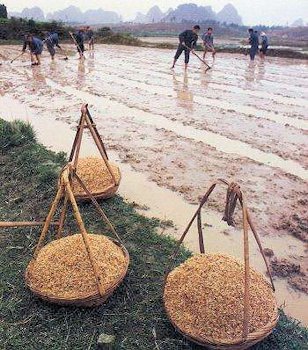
208 42
52 40
254 43
188 41
36 48
79 37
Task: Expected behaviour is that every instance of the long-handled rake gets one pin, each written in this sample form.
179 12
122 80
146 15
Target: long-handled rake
200 59
63 53
14 59
75 42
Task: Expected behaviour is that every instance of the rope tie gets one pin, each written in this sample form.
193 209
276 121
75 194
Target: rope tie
233 194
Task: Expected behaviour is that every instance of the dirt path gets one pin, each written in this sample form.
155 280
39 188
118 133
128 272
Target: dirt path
181 131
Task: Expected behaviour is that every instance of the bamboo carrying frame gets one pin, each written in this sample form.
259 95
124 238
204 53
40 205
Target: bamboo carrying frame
86 122
65 191
234 193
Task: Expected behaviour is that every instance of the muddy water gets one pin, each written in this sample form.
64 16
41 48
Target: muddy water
229 42
176 133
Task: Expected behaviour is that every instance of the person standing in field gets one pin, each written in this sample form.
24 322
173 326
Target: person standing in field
52 40
188 40
90 36
254 43
264 45
36 48
79 37
208 42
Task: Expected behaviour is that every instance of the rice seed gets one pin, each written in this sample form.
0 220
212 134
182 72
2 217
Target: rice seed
204 297
63 269
95 175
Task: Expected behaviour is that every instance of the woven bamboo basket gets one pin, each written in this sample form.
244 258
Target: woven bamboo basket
239 344
92 296
247 339
87 299
107 189
97 169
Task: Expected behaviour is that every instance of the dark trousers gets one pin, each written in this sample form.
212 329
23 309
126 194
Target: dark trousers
80 48
264 49
179 52
51 49
252 52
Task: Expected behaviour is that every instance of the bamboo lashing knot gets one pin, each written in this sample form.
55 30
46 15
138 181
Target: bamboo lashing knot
233 194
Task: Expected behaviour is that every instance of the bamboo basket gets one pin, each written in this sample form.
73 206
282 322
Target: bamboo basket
240 344
247 339
86 300
65 193
103 192
86 122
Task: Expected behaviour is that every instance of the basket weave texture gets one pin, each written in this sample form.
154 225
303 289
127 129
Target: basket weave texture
96 177
69 264
196 292
203 298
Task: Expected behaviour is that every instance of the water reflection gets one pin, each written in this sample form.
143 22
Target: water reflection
81 73
185 97
91 61
261 70
255 72
250 72
38 78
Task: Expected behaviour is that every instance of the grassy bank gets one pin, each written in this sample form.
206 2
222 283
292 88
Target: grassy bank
134 314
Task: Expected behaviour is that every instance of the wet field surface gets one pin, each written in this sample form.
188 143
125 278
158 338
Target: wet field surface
175 132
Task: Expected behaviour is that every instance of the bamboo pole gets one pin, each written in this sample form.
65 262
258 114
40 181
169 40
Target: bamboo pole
83 233
247 272
48 219
74 154
97 206
5 224
79 139
96 131
254 231
201 240
180 241
75 140
100 148
62 217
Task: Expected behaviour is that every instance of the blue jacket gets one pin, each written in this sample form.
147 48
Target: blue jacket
52 39
79 37
189 38
254 41
35 46
208 39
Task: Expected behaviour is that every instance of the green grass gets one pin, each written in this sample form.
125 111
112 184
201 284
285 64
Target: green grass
28 174
119 39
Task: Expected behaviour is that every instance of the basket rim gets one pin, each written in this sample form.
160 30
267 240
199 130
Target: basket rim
88 296
252 338
108 191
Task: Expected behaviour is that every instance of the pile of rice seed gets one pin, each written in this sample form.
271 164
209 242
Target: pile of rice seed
63 269
204 298
95 175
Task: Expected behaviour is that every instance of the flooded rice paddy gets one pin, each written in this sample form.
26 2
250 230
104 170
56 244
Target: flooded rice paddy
175 132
